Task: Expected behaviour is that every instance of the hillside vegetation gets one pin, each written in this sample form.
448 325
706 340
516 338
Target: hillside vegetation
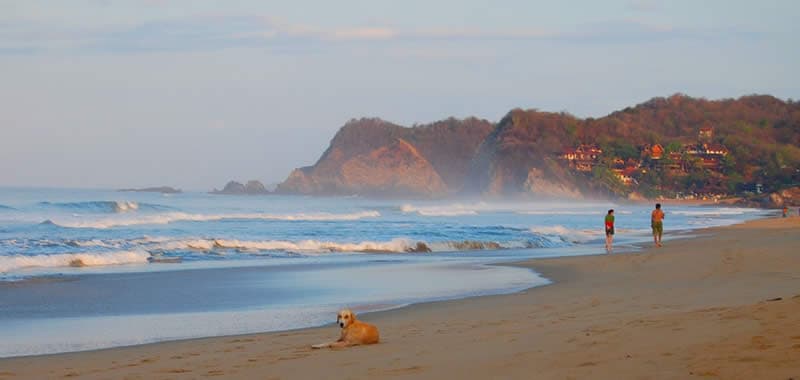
671 146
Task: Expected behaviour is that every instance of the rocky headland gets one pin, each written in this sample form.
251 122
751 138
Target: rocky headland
673 147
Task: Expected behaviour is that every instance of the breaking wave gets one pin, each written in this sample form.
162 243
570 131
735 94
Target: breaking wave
567 235
6 208
303 246
571 212
397 245
104 206
451 210
16 262
715 212
459 209
172 217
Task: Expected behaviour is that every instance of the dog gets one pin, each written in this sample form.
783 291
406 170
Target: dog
354 332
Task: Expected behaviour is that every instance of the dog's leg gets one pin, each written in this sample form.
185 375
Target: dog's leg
340 344
323 345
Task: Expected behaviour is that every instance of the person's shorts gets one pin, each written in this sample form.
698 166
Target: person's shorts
658 227
609 231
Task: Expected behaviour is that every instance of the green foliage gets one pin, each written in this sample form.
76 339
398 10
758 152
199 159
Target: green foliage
619 148
604 177
674 146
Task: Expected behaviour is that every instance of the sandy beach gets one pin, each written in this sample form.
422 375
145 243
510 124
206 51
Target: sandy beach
723 304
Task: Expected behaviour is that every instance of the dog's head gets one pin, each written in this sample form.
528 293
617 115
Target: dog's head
345 318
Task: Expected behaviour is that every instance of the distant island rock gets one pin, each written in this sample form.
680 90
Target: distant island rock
674 147
252 187
159 189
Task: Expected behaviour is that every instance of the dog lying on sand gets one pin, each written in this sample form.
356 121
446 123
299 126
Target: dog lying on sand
354 332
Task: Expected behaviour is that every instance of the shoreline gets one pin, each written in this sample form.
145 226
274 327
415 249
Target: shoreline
286 353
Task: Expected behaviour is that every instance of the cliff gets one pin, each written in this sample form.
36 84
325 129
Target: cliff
378 158
523 153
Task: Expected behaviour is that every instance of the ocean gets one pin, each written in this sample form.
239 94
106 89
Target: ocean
90 269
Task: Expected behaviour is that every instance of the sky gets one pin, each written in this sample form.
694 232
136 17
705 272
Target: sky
192 94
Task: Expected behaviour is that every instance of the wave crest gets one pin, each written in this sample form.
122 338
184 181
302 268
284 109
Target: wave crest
564 234
104 206
397 245
16 262
303 246
714 212
172 217
451 210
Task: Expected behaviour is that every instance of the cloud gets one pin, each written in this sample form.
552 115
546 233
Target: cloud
216 31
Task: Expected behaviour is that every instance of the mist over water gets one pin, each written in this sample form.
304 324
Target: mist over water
73 262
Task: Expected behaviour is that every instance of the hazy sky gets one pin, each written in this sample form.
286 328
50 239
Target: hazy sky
105 93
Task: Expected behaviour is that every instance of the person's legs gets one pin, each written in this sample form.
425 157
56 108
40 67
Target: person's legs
655 234
609 241
657 230
660 232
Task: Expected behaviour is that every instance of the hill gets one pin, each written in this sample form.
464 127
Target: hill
675 146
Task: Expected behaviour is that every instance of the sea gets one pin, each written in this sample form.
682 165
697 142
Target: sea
90 269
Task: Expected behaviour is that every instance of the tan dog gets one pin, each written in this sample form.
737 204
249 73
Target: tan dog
354 332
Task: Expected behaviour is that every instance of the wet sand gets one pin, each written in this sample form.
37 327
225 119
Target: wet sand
724 304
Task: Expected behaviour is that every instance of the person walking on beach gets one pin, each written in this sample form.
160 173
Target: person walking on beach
609 230
657 223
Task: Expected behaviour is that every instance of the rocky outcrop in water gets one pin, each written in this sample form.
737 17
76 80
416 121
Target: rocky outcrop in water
252 187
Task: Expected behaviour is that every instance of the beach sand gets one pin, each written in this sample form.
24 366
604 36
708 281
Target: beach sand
724 304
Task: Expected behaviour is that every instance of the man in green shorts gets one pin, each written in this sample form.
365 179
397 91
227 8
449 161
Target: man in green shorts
657 223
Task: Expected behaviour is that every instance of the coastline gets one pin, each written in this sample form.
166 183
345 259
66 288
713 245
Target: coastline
697 307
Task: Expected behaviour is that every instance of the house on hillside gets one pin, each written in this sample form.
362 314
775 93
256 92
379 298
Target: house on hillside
710 154
583 158
653 152
705 133
675 162
625 175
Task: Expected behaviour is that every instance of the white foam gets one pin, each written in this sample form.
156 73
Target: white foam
16 262
527 208
566 234
571 212
449 210
303 246
172 217
125 206
714 212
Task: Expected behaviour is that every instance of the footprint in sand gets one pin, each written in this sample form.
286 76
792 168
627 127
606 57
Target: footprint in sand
397 371
175 370
245 340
